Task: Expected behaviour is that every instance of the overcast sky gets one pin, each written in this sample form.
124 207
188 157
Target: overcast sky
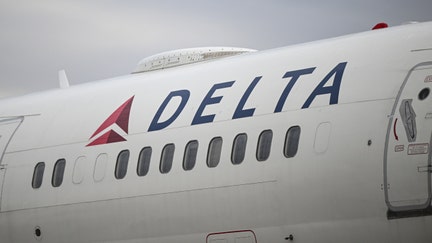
99 39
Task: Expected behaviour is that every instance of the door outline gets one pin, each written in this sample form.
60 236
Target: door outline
5 138
420 209
229 235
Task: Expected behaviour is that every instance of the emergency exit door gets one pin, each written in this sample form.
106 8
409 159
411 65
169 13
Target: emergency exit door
407 161
8 127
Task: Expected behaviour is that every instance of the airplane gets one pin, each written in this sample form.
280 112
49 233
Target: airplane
328 141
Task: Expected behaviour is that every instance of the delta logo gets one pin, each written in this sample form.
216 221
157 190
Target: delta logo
118 122
118 119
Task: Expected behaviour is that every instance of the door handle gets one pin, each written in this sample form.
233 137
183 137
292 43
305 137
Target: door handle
426 168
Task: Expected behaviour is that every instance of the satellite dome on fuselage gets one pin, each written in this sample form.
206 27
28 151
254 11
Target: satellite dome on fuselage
186 56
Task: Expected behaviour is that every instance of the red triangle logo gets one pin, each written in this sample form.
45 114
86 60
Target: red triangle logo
119 117
108 137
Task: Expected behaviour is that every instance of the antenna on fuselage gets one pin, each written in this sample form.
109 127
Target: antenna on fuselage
63 80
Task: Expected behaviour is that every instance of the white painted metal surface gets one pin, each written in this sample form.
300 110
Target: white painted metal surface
339 186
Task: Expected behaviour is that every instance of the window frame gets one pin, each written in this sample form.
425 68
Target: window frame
38 174
288 142
210 151
144 163
100 167
188 161
122 164
263 153
79 170
234 150
170 158
58 172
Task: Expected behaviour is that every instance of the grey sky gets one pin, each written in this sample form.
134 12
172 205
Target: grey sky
98 39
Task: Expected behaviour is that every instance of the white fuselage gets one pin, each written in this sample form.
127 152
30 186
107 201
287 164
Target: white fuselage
346 182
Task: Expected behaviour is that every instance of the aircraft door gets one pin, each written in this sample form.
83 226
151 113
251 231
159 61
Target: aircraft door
8 127
407 159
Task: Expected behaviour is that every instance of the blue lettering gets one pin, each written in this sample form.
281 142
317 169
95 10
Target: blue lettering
239 112
208 100
294 77
333 90
155 124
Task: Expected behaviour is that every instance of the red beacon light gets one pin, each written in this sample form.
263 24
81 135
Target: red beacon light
380 26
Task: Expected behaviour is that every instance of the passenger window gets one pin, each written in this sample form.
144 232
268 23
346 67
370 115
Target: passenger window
167 158
214 152
100 167
239 149
58 173
190 155
292 141
144 161
121 165
79 169
264 145
38 175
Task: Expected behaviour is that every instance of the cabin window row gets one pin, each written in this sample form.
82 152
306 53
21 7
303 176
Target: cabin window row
214 151
57 176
